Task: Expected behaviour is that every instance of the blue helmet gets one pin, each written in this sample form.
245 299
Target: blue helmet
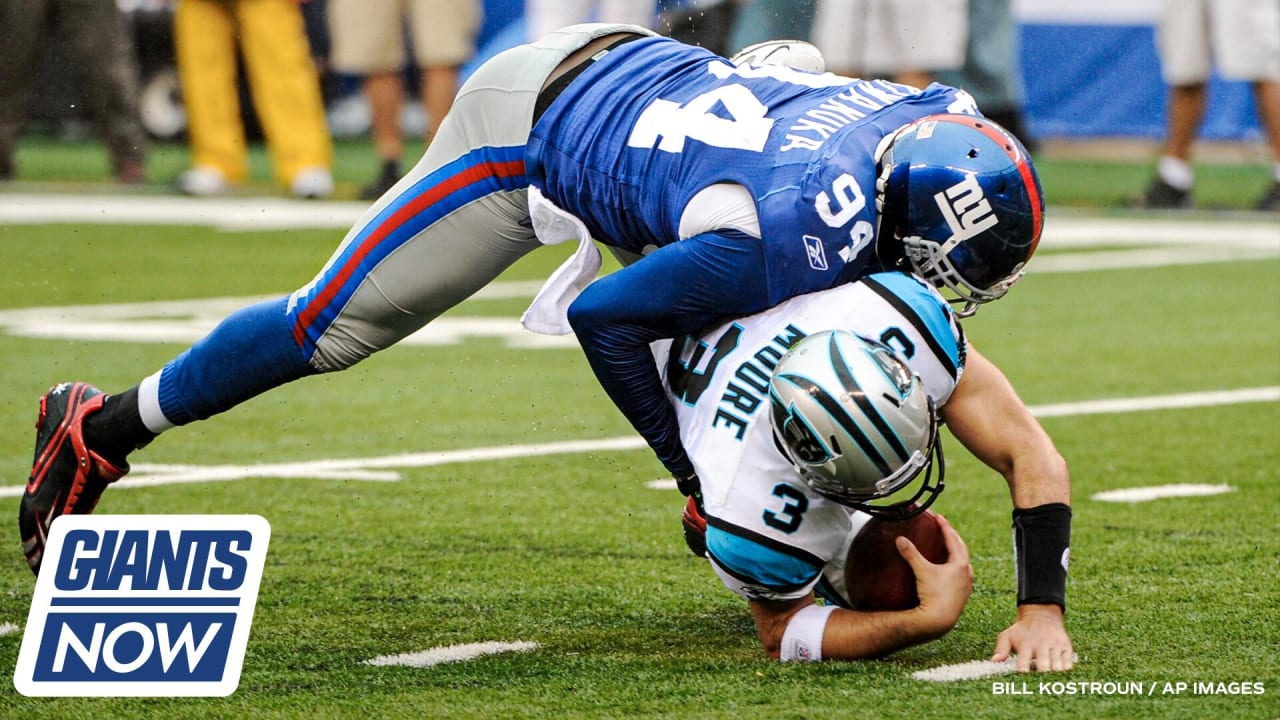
960 204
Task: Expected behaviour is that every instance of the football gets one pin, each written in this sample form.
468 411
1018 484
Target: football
876 576
796 54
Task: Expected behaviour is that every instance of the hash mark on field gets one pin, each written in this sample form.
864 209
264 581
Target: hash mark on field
451 653
8 628
1156 492
974 670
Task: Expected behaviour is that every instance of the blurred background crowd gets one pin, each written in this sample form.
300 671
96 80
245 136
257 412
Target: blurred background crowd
296 76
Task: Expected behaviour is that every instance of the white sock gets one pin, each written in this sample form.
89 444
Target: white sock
1275 172
149 405
1176 172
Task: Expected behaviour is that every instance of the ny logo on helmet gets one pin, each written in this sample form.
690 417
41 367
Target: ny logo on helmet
966 209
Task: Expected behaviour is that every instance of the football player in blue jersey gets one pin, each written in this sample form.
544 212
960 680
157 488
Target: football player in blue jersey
805 419
725 189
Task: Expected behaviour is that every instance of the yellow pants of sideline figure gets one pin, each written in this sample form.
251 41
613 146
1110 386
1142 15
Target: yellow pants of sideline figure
282 79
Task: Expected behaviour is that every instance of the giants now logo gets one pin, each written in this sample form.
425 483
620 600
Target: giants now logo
965 209
143 605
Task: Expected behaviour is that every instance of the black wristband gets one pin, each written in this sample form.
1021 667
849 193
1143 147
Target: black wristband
1041 550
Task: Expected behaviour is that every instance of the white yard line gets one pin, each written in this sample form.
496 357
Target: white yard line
185 321
248 213
1147 258
1066 227
382 469
1159 402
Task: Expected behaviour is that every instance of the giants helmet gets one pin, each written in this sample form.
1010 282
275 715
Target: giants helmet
960 203
856 423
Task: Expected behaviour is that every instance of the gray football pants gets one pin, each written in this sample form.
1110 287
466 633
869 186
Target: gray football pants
449 227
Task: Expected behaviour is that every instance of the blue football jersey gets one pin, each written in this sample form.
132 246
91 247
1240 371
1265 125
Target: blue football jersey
647 126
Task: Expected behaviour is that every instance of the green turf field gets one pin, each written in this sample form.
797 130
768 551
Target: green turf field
572 551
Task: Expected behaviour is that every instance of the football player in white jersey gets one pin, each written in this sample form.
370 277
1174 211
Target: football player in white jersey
779 501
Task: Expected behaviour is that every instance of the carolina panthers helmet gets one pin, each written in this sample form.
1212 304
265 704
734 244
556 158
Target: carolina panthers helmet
960 203
857 424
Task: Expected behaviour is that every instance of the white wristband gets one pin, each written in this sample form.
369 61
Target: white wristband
802 639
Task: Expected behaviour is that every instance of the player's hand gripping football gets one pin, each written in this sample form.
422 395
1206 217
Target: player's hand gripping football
943 588
1039 639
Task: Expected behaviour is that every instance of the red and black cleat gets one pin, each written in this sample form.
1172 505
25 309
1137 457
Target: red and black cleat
66 476
695 526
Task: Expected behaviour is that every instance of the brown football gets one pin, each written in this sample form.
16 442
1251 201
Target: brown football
876 576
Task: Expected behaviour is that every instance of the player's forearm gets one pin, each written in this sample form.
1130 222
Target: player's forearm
986 415
1039 478
1041 489
616 343
800 630
622 363
675 290
852 635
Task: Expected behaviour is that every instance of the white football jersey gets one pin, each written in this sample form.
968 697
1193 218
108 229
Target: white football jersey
768 535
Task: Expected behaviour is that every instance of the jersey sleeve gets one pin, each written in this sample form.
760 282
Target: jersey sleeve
677 289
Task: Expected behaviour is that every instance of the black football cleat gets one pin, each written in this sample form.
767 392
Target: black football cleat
66 476
1160 195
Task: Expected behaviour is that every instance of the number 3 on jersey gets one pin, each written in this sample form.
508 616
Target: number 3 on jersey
787 519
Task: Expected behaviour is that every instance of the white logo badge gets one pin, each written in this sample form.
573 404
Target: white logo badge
143 605
817 254
965 209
